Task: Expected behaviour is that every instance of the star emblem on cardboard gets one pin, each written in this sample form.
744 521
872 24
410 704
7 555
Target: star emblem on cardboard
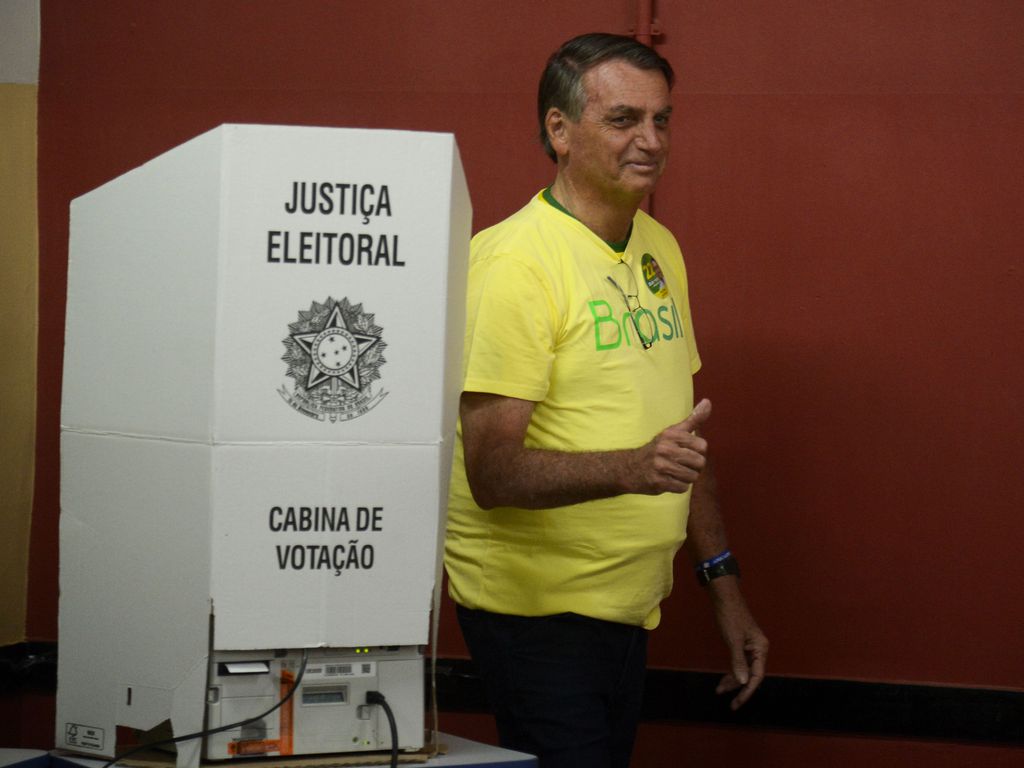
334 355
335 351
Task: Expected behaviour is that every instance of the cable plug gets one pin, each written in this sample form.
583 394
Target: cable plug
375 697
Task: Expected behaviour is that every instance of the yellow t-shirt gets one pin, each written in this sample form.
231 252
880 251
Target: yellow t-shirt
546 324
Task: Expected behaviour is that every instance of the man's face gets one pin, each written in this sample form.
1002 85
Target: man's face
619 146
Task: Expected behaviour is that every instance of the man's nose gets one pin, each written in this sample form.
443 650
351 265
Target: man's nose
649 137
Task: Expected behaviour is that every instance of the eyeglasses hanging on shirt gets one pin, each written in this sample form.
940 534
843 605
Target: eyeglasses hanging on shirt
643 319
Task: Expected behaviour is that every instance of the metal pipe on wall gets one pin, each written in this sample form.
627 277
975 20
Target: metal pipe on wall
646 28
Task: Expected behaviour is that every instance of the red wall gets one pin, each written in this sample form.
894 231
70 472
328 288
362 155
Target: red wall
846 183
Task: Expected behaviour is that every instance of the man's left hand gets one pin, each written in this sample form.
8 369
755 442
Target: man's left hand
747 644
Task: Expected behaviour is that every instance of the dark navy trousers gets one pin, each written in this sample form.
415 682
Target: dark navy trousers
566 688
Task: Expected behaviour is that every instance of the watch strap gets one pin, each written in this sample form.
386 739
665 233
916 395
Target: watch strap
708 572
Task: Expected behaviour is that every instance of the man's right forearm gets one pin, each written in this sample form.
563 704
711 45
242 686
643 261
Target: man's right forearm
537 479
503 473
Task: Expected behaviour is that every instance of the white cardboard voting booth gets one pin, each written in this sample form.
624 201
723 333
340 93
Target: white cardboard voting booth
261 377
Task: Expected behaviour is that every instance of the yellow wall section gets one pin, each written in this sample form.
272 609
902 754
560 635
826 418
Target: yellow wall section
19 261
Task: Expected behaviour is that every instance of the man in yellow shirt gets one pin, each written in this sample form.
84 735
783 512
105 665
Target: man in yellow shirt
579 471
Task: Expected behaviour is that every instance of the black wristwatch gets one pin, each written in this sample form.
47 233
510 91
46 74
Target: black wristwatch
728 567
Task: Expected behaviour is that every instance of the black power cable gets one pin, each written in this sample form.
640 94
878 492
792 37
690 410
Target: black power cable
376 697
221 729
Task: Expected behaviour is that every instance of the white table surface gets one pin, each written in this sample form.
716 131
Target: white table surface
461 752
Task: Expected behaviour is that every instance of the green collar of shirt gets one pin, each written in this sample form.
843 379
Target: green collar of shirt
618 247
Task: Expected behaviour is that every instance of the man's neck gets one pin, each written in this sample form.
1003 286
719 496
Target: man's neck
608 219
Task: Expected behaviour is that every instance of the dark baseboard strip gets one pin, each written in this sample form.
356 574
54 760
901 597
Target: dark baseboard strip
891 710
844 706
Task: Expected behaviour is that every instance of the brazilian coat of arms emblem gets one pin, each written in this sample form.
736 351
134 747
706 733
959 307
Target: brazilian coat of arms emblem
334 352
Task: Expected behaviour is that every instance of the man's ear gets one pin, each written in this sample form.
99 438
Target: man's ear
558 126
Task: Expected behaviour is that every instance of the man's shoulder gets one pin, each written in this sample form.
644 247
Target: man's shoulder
648 226
524 230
